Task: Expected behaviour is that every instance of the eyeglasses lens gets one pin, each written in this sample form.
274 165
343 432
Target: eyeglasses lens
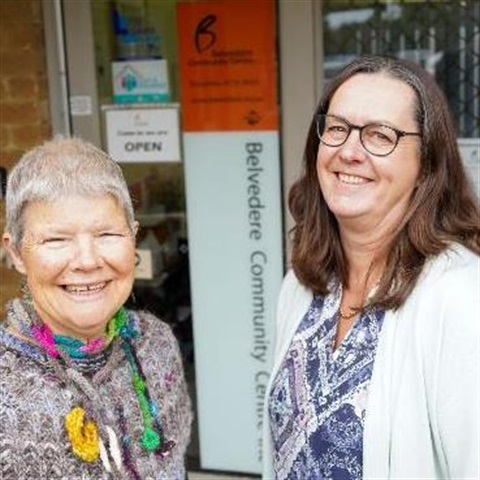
377 139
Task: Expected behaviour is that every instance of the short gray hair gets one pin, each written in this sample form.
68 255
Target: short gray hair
61 167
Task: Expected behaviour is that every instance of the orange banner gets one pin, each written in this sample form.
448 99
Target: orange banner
228 65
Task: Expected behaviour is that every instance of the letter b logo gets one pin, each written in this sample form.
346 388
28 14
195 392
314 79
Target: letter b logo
205 37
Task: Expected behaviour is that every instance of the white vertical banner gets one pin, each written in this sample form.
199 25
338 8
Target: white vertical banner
235 231
228 69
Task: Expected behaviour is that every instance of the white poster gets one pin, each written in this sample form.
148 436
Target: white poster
236 266
470 152
143 134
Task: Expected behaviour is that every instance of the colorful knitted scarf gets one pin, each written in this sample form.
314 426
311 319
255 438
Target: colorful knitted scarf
81 427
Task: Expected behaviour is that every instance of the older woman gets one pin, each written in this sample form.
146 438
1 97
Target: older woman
376 372
88 389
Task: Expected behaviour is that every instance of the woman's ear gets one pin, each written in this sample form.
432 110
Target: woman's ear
14 253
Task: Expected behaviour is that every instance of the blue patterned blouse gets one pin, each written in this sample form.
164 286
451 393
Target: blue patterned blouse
317 403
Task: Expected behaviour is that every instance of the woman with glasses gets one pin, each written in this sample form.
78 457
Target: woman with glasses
376 369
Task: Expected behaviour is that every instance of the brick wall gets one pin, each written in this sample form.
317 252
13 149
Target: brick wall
24 109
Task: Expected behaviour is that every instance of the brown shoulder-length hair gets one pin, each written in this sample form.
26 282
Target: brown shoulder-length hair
443 207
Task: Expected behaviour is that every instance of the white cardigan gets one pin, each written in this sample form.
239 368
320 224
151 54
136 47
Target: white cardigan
422 419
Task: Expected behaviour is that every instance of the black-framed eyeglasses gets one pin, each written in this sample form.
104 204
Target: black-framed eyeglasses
377 139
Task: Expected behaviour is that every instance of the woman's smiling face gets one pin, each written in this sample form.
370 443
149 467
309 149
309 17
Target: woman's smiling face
78 254
363 190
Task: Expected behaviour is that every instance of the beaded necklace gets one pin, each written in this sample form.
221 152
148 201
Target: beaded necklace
82 429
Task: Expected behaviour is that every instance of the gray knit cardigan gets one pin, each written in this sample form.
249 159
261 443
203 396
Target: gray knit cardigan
34 403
